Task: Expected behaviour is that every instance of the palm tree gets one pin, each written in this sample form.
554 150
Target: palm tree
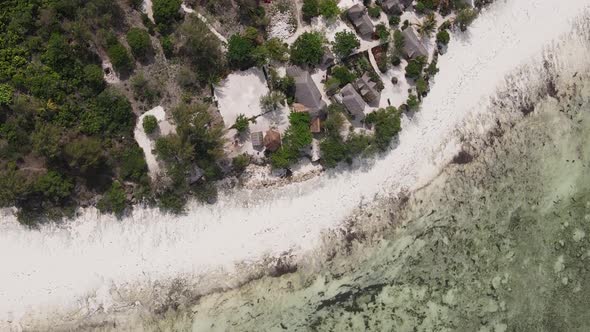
427 26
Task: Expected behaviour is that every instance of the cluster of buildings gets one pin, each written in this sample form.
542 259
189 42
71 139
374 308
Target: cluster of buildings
358 97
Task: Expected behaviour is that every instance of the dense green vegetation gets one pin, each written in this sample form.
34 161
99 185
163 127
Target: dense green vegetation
335 149
195 149
308 49
201 50
329 9
139 41
343 75
374 11
62 132
296 137
310 9
415 67
150 124
443 37
345 42
166 12
242 123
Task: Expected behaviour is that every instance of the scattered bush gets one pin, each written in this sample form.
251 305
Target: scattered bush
387 125
423 6
415 66
150 124
277 50
54 186
187 79
465 17
382 32
329 9
394 20
398 42
144 89
286 85
47 141
443 37
412 102
133 165
310 9
167 46
240 162
296 137
343 75
242 123
114 200
374 11
120 58
428 25
251 14
202 50
272 100
240 52
166 12
84 155
139 41
94 77
5 94
421 86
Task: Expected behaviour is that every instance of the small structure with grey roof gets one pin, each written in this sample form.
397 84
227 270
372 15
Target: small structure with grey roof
257 140
392 7
353 102
413 46
306 91
367 88
406 3
328 59
361 20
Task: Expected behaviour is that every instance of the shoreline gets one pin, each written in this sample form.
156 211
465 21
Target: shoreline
279 230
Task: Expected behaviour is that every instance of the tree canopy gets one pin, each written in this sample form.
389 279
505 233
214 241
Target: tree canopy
308 49
345 42
139 41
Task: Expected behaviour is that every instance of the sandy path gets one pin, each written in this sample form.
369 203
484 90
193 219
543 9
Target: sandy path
204 19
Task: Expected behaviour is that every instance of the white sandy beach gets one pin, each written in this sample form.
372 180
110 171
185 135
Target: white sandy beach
71 269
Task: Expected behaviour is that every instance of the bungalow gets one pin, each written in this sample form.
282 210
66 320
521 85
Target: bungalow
306 91
300 108
392 7
367 88
353 102
257 139
361 20
328 59
413 46
272 140
406 3
316 125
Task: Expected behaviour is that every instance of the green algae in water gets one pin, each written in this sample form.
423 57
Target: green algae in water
497 244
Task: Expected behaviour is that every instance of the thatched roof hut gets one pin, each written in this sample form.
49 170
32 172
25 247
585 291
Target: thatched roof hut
272 140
